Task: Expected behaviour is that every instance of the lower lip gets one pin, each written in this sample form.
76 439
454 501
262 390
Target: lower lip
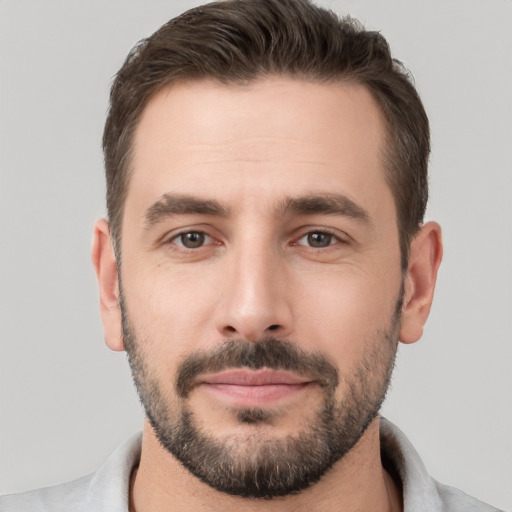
254 396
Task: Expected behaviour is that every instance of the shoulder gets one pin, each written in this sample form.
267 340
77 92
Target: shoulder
64 497
421 493
455 500
105 490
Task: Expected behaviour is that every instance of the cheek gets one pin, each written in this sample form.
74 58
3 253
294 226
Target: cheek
169 310
346 310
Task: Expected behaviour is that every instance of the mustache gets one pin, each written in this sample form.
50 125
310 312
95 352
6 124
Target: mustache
271 353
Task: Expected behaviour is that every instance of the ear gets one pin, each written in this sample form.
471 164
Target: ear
105 265
425 256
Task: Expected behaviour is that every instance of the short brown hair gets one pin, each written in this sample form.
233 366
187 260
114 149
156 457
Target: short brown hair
242 40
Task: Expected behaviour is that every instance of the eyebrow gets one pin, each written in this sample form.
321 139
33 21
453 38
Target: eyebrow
178 204
325 204
320 204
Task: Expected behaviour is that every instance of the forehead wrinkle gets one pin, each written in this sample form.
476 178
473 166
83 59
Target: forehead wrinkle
237 147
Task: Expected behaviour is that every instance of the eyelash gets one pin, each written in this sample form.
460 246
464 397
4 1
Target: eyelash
182 246
206 235
335 238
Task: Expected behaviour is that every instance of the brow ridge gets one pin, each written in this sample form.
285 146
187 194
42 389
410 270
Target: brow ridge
324 204
179 204
320 204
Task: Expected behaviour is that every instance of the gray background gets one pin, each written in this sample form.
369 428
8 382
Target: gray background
66 401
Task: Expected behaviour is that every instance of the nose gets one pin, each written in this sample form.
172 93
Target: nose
255 299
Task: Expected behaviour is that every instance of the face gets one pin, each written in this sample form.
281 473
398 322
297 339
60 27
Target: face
261 281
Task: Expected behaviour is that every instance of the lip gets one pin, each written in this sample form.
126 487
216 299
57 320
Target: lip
245 377
249 388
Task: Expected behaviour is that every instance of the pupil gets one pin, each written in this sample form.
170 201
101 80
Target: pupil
192 240
319 239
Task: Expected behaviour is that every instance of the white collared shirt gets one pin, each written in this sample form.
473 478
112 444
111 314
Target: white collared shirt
107 489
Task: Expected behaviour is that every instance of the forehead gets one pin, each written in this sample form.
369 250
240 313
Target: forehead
272 136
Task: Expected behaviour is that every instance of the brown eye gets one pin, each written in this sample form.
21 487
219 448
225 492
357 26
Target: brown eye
191 239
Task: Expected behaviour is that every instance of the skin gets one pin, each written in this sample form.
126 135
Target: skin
250 148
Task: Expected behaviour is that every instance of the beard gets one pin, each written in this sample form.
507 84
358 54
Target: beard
262 466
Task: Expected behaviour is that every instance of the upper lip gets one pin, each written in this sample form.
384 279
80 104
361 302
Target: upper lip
247 377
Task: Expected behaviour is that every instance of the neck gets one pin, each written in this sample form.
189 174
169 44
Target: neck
357 482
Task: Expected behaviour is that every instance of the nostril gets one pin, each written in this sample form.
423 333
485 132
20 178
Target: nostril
230 328
273 327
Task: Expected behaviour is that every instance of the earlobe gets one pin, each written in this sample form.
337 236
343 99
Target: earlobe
425 256
105 265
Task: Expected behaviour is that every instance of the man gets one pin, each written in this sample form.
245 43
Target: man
265 251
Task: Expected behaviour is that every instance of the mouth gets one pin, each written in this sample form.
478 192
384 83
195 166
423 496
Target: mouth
249 388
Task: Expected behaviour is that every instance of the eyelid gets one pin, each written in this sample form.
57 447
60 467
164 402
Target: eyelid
171 237
340 237
177 237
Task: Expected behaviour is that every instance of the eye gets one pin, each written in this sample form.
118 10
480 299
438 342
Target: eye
192 239
318 239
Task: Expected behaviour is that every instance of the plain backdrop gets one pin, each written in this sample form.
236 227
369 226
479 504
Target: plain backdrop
66 401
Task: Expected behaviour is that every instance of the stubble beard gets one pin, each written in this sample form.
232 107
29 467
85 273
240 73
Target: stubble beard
256 466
